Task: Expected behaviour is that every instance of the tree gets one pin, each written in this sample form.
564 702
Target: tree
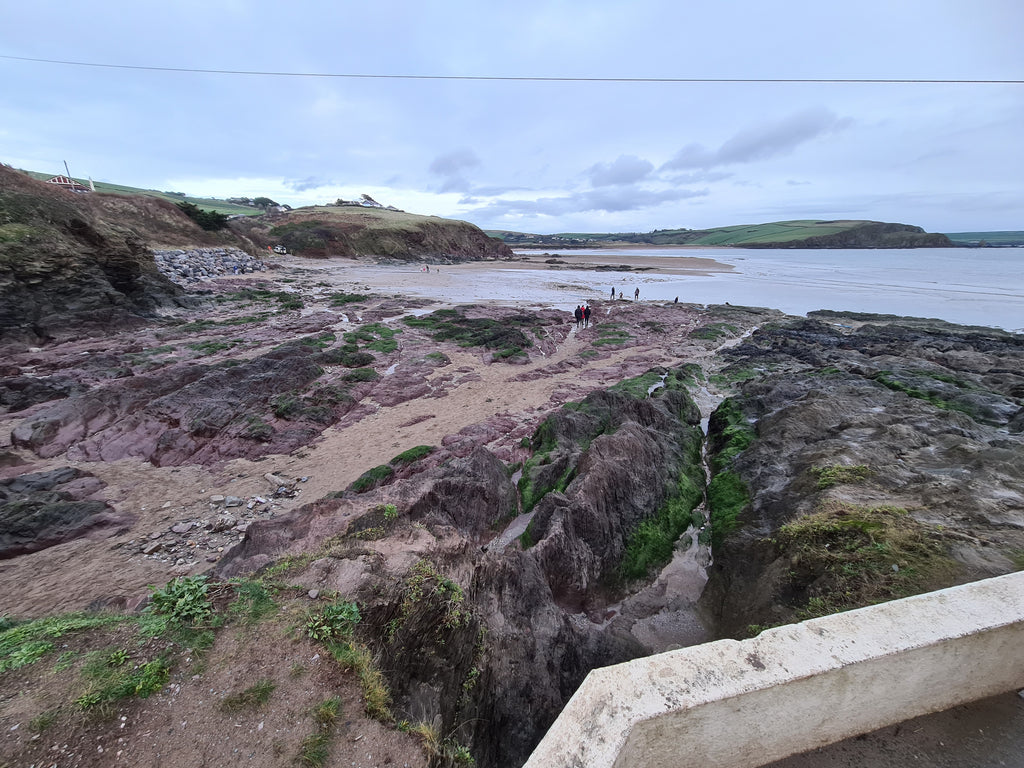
208 220
263 202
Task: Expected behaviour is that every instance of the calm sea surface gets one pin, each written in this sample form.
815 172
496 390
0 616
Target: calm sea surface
972 286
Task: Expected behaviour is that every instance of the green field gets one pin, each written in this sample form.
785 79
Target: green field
209 204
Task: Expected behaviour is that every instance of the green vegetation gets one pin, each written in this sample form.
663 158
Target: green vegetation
733 434
221 206
361 374
209 220
334 627
211 347
308 235
379 337
727 498
252 603
412 455
371 478
184 601
316 748
638 386
715 331
340 299
835 474
112 681
335 622
427 590
611 334
846 557
505 338
922 386
445 753
808 232
24 643
650 546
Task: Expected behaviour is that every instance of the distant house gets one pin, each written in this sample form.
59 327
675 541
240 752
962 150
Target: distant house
68 183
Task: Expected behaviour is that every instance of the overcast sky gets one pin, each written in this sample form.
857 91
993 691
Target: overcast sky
535 156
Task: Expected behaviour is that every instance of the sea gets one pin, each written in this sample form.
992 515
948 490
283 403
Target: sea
969 286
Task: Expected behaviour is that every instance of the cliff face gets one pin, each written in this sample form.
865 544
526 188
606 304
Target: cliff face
80 261
326 231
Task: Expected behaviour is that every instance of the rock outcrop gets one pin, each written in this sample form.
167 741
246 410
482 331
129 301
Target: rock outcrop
43 509
906 431
487 641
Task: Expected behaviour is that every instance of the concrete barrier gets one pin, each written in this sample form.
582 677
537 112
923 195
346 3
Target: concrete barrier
740 704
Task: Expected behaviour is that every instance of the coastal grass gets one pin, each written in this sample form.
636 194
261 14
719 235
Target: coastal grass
845 556
836 474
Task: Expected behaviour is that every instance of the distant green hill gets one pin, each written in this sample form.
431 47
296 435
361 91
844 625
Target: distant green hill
809 233
992 239
209 204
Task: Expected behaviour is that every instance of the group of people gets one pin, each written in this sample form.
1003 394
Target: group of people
636 294
582 315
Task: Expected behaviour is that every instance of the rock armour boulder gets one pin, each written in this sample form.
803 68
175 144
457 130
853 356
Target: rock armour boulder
185 267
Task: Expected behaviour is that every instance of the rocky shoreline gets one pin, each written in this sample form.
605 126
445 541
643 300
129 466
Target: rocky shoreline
511 501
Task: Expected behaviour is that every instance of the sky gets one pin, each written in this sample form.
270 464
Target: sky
605 137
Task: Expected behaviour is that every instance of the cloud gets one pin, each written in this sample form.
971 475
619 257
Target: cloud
626 169
308 183
450 167
453 163
760 142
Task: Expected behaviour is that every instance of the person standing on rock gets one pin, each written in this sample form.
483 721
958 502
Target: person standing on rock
578 314
586 316
636 295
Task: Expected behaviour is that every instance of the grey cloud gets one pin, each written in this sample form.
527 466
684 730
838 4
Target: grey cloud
453 163
760 142
450 167
308 183
626 169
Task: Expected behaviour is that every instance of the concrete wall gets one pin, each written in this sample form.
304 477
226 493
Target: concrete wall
732 704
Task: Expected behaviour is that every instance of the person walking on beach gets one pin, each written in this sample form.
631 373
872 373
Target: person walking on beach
613 293
636 295
578 314
586 316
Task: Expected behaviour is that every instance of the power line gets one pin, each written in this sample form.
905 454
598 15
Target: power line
526 78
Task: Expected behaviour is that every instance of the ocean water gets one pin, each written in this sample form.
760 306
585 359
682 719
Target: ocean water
971 286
